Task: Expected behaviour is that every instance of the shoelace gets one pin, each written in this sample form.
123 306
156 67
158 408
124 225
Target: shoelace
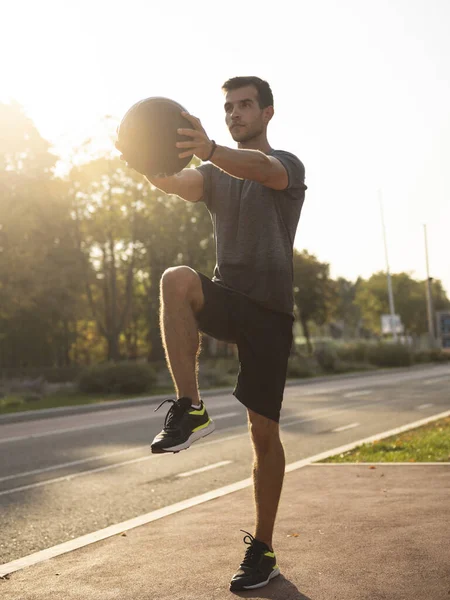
253 552
173 416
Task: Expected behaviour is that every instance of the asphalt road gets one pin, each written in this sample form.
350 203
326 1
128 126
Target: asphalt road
66 476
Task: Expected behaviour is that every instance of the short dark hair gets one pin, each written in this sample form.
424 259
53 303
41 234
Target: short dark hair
265 96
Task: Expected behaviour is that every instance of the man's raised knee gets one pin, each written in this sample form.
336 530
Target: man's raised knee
184 283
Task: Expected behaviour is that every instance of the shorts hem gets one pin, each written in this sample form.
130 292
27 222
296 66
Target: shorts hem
256 409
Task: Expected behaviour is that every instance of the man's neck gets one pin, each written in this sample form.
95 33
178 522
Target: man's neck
257 144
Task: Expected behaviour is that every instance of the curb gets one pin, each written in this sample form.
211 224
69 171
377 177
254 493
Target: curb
44 413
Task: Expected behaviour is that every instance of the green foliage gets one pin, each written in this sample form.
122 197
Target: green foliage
123 378
302 366
410 301
328 358
427 356
50 374
355 352
344 309
314 291
390 355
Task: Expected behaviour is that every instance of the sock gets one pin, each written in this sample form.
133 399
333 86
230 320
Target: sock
197 406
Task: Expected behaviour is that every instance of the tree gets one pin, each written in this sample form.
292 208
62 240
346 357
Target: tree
172 232
345 311
409 298
314 291
35 262
105 207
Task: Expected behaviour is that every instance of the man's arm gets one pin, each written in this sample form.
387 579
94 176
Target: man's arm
242 164
253 165
188 184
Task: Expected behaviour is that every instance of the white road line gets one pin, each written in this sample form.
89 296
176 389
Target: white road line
423 406
382 464
203 469
102 534
435 379
327 413
345 427
319 415
81 461
224 416
358 393
21 438
74 475
372 438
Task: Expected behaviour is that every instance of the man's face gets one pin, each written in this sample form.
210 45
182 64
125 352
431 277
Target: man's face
243 115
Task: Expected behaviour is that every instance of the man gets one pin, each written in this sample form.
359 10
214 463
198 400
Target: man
254 195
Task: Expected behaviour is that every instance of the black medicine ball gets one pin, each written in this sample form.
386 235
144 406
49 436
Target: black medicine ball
147 136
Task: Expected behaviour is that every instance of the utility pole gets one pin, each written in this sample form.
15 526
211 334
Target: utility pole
389 280
429 295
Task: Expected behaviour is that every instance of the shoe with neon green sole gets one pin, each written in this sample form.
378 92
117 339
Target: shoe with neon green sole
258 567
183 425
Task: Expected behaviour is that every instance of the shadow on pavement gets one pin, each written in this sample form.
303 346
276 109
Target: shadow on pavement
279 589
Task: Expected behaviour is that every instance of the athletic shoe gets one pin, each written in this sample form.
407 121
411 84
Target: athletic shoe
182 426
258 567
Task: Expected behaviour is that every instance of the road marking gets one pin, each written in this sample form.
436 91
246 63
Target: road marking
359 393
203 469
345 427
321 413
382 464
21 438
423 406
224 416
434 379
73 476
81 461
373 438
155 515
93 458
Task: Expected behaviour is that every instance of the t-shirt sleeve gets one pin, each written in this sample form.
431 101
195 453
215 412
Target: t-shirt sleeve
206 171
294 168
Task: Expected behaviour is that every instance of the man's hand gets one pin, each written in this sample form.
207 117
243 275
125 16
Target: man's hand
200 145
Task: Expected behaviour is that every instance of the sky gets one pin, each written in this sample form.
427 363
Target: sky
361 95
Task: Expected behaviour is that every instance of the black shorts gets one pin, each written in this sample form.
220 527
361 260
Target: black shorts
263 338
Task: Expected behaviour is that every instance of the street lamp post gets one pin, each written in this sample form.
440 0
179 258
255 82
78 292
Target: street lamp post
429 294
389 280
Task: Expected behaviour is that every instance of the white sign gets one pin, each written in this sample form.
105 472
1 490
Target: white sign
389 323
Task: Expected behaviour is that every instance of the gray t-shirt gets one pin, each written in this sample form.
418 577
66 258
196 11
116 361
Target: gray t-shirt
254 230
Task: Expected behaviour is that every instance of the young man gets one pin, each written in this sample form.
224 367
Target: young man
254 195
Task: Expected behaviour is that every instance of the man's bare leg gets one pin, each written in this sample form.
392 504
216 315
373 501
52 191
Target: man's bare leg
268 473
181 298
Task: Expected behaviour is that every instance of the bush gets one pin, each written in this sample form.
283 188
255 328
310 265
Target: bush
218 372
300 366
434 355
422 356
390 355
327 359
354 352
118 378
50 374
